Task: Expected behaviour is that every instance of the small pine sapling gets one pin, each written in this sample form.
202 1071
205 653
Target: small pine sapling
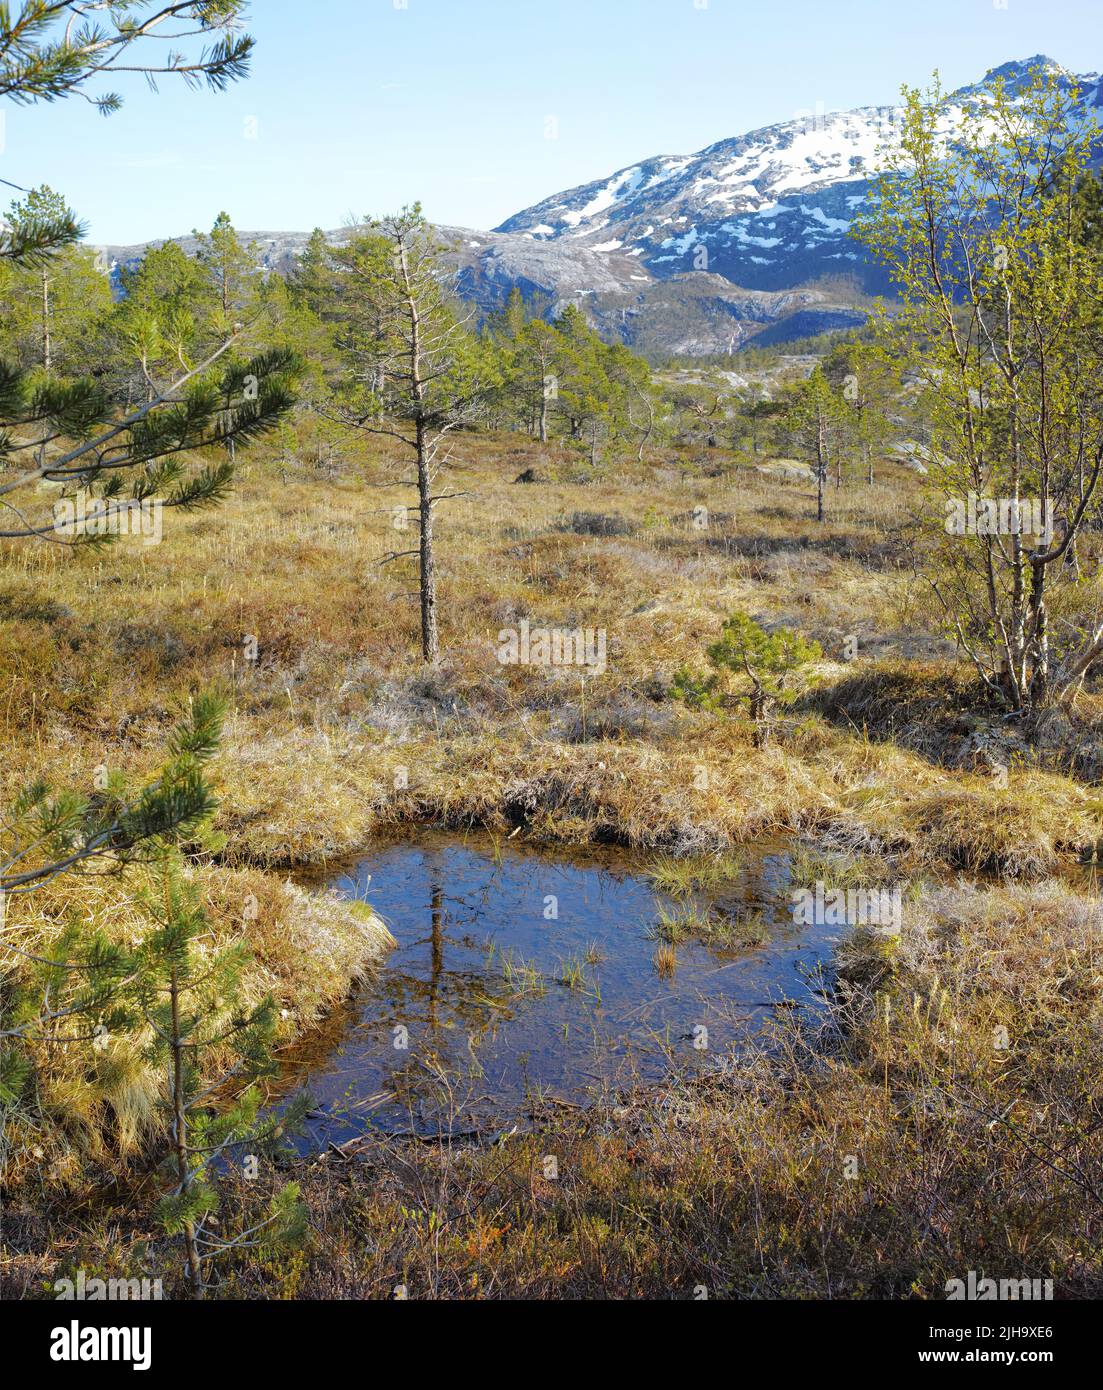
757 663
190 997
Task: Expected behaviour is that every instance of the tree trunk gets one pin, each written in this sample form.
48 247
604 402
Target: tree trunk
180 1131
1039 641
821 469
47 353
430 638
649 431
759 712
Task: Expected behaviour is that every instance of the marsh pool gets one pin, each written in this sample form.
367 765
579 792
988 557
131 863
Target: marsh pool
526 977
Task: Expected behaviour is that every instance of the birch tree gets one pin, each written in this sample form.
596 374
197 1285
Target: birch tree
1000 326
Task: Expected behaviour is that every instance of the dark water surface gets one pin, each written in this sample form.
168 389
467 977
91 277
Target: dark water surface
524 974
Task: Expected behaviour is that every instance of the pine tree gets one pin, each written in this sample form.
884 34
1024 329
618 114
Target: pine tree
511 320
35 290
1087 211
190 999
694 412
55 313
311 282
630 389
759 412
38 228
869 390
415 372
584 388
813 417
163 324
75 986
748 664
167 991
47 834
73 433
537 352
232 271
52 49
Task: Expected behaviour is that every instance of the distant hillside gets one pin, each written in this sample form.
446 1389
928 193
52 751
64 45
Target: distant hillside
696 255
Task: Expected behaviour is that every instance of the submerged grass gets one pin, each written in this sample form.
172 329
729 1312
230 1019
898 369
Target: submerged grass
523 978
680 877
665 960
711 926
837 869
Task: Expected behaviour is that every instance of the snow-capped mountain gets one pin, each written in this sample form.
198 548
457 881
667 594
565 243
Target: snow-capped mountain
748 240
768 210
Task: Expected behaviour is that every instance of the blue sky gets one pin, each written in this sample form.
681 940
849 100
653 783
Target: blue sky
358 106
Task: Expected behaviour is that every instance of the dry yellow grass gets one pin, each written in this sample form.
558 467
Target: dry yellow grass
99 648
701 787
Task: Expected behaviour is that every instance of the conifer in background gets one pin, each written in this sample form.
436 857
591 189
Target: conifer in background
50 306
311 281
231 268
415 372
73 432
813 418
